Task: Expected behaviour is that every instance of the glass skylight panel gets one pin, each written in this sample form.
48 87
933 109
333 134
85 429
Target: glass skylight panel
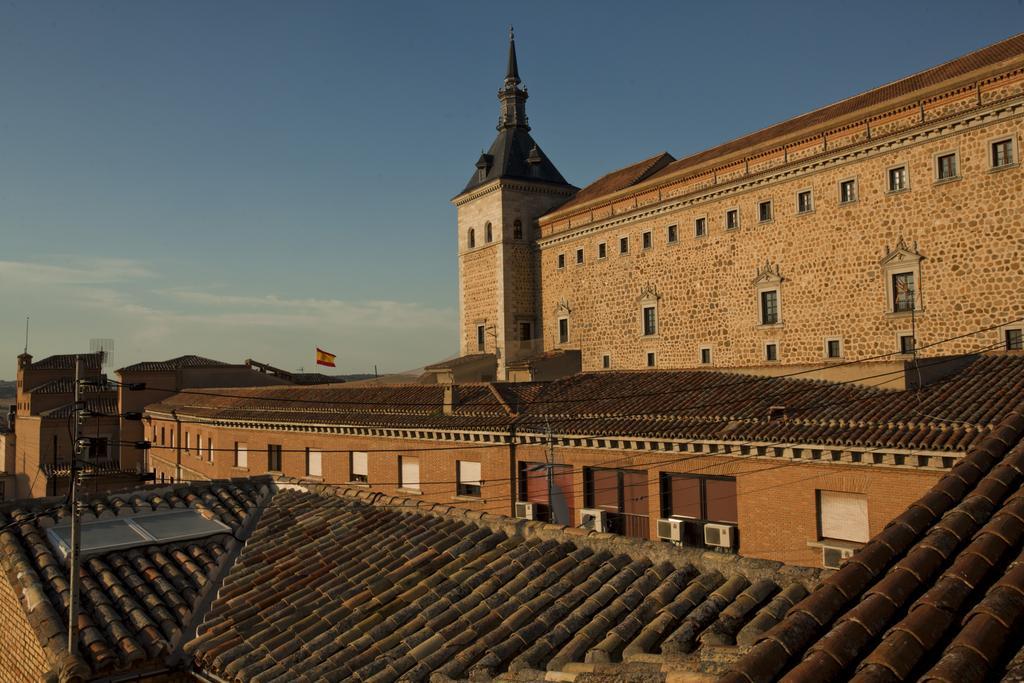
105 535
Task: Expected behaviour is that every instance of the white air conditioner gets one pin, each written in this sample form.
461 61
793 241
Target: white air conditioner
719 535
671 529
593 518
832 556
526 510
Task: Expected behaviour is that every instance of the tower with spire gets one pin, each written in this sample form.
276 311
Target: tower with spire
512 185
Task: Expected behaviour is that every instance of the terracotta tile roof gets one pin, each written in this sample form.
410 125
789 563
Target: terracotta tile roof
950 415
135 603
330 587
620 179
175 364
91 361
468 359
988 56
65 385
938 595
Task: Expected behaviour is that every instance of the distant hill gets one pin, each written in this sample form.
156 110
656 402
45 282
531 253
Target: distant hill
8 388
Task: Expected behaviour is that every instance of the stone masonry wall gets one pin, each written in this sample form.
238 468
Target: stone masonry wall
21 657
967 230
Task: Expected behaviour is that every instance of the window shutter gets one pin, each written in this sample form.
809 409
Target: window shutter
844 516
314 463
242 457
359 463
410 472
469 473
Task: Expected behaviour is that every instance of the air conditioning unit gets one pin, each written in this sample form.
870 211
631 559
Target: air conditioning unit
526 510
719 535
832 556
593 518
671 529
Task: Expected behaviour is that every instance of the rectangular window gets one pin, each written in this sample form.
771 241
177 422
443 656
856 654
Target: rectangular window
274 457
623 495
480 337
1014 340
172 437
898 180
650 359
769 307
902 292
468 476
188 441
606 361
314 463
847 191
771 352
602 250
525 331
705 356
764 211
711 499
561 261
804 202
409 472
648 240
579 256
843 516
358 470
1002 153
732 219
673 234
209 450
650 321
163 441
907 343
832 348
700 227
945 167
241 455
563 330
623 245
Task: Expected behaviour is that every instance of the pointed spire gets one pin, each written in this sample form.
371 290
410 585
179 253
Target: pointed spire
512 73
513 98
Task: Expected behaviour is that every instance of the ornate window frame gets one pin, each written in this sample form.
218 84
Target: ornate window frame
902 258
769 279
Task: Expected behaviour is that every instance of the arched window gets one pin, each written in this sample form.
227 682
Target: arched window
488 232
471 238
517 230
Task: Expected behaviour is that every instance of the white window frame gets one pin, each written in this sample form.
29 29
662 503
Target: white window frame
650 359
899 343
902 259
764 351
771 211
560 261
648 237
736 210
469 473
314 462
837 340
600 256
653 305
761 291
358 460
605 356
669 229
209 449
621 239
568 336
409 472
241 455
700 355
580 256
700 223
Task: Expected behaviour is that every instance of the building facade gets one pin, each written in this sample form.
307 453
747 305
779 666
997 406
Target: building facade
887 224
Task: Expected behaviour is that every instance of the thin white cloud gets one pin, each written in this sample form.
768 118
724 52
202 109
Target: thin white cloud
72 271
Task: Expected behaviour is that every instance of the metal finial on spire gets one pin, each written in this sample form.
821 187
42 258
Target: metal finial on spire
511 32
512 74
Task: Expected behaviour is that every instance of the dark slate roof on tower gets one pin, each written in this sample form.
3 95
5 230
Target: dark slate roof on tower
514 153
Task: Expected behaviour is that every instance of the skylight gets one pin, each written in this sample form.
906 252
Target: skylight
105 535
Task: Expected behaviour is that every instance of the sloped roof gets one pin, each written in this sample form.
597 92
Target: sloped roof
65 385
507 158
938 595
136 603
189 361
991 55
620 179
949 415
333 588
91 361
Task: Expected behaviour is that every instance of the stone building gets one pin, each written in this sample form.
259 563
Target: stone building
885 225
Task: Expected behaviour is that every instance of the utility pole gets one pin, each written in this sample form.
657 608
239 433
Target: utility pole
76 531
550 468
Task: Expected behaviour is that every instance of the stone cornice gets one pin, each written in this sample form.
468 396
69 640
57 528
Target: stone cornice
938 128
517 185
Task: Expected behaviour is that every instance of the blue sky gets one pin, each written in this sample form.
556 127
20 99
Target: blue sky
253 179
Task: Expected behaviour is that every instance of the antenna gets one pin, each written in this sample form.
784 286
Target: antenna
26 334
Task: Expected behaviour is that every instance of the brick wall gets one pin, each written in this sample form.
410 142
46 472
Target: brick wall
21 656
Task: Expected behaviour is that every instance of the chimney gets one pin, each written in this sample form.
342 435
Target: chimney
451 399
776 412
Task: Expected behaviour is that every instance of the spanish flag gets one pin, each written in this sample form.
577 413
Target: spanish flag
324 358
